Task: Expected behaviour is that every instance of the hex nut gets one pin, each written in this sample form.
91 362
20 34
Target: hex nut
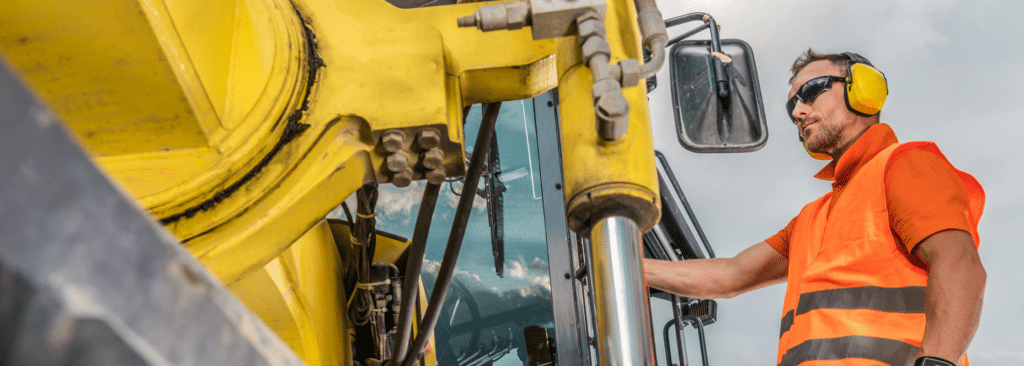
594 46
397 161
590 27
630 75
492 17
402 179
612 120
612 105
587 15
517 14
437 176
432 159
428 138
392 141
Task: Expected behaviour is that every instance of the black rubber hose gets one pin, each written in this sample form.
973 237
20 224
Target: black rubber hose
414 263
451 252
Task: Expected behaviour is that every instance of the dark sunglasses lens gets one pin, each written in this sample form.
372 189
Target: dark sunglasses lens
807 93
790 106
812 89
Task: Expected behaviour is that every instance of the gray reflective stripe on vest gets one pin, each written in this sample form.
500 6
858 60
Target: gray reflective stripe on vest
908 300
787 322
888 351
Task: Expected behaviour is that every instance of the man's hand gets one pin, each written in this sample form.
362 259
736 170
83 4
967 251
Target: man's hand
956 285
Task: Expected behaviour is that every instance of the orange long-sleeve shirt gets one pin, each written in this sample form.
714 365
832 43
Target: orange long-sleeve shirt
923 192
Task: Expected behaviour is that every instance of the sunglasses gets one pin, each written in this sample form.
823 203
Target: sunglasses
811 90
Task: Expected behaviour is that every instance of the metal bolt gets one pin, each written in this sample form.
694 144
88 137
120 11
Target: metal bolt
428 138
433 158
392 141
612 105
437 176
398 161
402 179
612 116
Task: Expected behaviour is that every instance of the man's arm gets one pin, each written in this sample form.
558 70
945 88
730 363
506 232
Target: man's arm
755 267
956 285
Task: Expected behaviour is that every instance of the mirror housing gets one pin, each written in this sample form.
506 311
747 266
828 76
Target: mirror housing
710 122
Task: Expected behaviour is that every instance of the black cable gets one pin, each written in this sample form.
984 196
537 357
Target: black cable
451 252
348 214
413 266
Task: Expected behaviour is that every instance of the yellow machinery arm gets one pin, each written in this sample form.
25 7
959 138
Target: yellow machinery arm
239 124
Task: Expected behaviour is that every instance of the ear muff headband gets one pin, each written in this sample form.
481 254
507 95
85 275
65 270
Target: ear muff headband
866 87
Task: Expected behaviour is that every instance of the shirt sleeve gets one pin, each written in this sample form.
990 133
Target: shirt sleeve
780 241
924 196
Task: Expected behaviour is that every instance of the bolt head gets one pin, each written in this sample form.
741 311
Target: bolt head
436 176
612 112
433 158
398 161
392 141
402 179
428 139
611 106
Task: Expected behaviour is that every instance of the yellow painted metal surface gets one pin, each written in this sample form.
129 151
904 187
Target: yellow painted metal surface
80 68
219 118
299 295
627 182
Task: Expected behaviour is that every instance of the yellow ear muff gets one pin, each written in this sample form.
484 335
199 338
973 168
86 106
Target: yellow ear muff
865 89
816 155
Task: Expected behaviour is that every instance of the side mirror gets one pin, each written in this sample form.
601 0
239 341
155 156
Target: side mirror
710 120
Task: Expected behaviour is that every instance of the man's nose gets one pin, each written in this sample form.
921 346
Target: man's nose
800 112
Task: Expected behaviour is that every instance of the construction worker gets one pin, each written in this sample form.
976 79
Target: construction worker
883 269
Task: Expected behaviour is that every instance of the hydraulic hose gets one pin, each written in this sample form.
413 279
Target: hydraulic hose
655 38
451 252
413 265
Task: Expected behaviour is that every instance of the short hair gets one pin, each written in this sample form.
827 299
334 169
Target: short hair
840 60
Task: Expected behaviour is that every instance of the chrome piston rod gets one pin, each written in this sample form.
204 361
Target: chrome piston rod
620 294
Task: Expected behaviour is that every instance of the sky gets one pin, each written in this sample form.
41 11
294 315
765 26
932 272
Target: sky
953 68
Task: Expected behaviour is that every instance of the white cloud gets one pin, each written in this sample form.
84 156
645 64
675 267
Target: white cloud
516 269
396 204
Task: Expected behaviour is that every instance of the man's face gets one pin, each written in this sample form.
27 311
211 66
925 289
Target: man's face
825 124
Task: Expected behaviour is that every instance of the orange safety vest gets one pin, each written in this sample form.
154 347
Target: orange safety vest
853 298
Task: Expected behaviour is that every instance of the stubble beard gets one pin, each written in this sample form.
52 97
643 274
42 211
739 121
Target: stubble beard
826 139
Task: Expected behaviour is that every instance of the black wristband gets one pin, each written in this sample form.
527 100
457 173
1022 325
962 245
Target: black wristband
932 361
